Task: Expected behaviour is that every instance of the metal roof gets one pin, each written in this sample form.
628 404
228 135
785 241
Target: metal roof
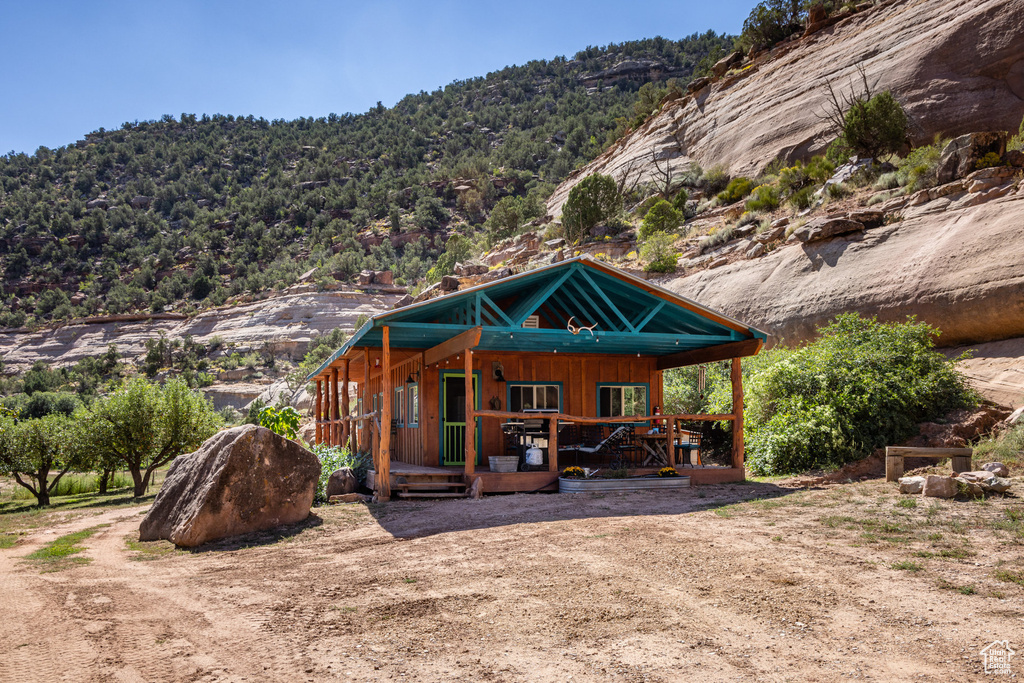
629 316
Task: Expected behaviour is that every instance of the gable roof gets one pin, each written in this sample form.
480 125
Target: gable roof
629 315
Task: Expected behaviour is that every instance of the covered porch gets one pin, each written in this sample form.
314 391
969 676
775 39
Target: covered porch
552 362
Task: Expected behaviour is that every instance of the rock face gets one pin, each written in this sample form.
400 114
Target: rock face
956 67
960 156
241 480
962 271
286 323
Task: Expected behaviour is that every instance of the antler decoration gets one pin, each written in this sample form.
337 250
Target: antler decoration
576 329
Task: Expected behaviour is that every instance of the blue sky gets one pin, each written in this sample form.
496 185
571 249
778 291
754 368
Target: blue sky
71 67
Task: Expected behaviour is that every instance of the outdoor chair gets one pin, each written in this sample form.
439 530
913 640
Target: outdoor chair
688 449
615 446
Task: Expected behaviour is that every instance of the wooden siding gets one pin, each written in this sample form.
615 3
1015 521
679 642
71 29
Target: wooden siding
579 375
407 442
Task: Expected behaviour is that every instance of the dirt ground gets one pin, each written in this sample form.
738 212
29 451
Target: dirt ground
837 583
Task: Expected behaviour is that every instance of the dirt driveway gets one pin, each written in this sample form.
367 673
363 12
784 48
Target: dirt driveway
844 583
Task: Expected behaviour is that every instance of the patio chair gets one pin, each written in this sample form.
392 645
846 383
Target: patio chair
615 445
688 449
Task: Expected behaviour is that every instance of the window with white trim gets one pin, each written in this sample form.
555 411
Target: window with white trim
398 407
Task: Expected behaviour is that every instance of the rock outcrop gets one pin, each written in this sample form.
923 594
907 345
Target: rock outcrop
285 323
241 480
959 270
957 67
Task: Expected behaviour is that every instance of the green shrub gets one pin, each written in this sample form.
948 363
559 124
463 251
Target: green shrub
737 189
717 238
679 201
838 191
793 179
1017 141
919 169
874 127
802 199
283 422
763 198
508 215
592 200
660 218
819 169
714 179
887 181
659 253
862 385
332 459
770 22
990 160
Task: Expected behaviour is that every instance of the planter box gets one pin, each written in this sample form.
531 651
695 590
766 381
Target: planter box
631 484
503 463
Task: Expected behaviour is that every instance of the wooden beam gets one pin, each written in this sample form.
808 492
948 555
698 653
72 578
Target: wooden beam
470 412
740 349
335 427
318 413
457 344
345 428
737 411
384 474
553 445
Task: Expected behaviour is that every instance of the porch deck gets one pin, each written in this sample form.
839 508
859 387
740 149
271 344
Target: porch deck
530 482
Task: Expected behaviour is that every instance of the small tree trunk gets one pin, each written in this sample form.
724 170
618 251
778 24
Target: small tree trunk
104 481
138 481
42 493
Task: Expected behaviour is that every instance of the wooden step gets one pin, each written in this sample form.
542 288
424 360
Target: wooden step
437 494
430 485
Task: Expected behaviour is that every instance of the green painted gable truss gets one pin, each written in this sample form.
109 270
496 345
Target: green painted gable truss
628 316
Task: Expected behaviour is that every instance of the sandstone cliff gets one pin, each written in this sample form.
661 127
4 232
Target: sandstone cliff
957 66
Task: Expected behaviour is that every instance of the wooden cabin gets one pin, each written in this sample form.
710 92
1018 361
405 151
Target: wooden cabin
535 365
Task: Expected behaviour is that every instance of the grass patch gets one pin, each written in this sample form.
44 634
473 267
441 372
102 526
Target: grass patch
59 554
906 503
906 566
149 550
1010 576
8 541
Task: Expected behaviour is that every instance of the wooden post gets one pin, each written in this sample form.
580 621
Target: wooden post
384 486
893 467
346 425
334 407
553 444
670 429
737 411
470 415
368 433
325 428
318 413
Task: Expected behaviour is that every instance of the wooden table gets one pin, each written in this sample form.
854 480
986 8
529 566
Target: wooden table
656 447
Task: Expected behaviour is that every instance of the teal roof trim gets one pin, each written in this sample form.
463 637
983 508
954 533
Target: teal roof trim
627 316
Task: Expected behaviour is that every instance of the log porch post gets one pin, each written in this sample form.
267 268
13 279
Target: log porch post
318 413
334 407
670 430
470 416
384 475
737 411
346 425
553 444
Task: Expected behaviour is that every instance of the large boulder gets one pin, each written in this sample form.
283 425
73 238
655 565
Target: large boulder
960 156
241 480
342 481
911 484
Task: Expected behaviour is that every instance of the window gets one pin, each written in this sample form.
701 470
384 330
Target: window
414 405
621 400
397 407
534 397
375 403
